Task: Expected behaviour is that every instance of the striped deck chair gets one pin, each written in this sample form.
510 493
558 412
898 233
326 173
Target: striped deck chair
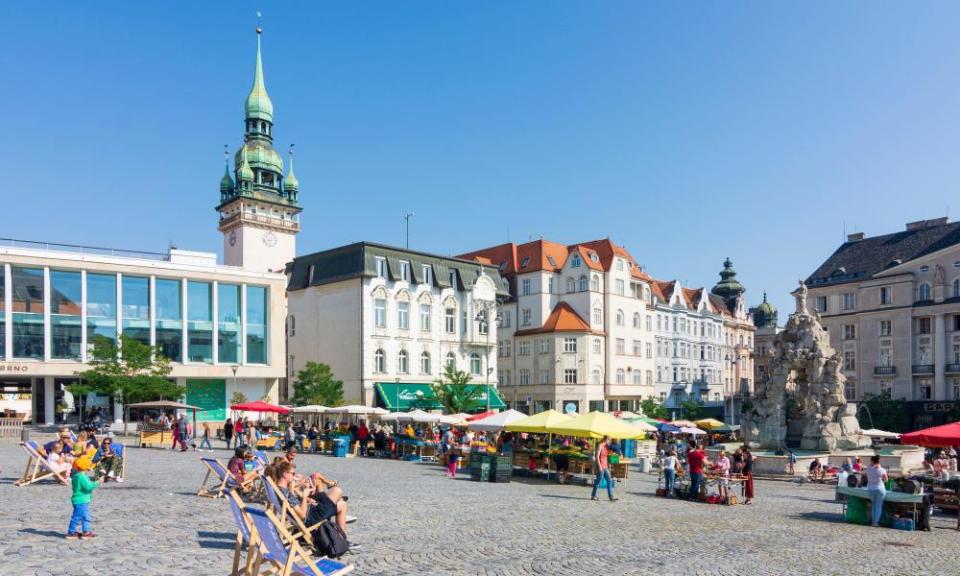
245 541
223 481
38 468
280 550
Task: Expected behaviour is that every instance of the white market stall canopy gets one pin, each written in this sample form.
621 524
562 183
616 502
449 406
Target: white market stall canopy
874 433
312 409
356 409
496 422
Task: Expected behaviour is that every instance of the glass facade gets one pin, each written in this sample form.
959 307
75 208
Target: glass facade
136 308
3 311
256 325
28 301
199 322
66 336
228 323
169 328
101 306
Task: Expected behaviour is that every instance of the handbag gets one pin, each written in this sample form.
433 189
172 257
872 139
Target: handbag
330 541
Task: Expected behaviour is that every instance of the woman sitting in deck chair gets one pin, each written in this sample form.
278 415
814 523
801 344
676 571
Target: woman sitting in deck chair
311 506
109 462
237 466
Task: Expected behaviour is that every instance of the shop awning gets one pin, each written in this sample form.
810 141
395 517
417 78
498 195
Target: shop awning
407 396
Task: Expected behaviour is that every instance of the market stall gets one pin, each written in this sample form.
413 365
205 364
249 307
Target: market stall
594 426
154 434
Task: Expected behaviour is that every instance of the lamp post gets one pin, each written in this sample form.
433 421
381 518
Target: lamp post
234 369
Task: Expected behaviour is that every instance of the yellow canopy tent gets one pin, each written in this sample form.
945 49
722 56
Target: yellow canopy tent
597 425
538 423
709 423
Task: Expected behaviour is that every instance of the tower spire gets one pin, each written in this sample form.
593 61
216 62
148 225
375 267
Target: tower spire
290 184
259 106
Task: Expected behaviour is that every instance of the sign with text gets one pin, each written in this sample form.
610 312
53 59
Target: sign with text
210 396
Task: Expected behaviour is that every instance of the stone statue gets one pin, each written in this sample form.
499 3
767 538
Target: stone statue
939 278
808 372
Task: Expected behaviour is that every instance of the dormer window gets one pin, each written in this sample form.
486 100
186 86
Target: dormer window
551 261
594 257
502 266
525 262
575 261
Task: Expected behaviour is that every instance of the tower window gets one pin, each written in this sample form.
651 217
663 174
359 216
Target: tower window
263 127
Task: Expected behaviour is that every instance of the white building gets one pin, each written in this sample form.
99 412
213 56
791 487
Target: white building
388 320
576 332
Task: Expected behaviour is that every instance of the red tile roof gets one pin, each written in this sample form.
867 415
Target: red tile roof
538 253
562 319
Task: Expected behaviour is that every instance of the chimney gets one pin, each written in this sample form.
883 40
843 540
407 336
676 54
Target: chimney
855 237
921 224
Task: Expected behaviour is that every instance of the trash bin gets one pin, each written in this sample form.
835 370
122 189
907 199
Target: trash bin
629 448
643 464
24 434
340 444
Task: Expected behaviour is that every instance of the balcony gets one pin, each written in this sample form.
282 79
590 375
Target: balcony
953 368
923 369
885 370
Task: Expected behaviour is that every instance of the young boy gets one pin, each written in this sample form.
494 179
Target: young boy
83 488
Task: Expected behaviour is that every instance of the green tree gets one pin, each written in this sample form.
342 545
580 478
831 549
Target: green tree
690 409
238 397
884 412
456 395
130 371
652 407
316 385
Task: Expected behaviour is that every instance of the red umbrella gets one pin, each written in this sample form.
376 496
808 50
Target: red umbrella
259 406
481 415
936 437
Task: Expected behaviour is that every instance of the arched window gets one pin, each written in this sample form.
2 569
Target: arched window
583 283
595 283
403 362
596 376
923 293
956 287
620 319
451 360
571 285
425 363
575 261
379 361
621 376
475 367
636 320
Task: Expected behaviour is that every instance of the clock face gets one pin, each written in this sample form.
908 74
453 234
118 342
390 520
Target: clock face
232 238
270 239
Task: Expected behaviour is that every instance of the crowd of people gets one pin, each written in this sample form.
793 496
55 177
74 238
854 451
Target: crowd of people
693 460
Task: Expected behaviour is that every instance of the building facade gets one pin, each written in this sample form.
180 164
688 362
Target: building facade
765 318
891 304
388 321
576 330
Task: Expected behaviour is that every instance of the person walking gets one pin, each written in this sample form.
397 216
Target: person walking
748 474
696 460
600 454
182 433
793 462
83 488
876 476
205 439
238 432
228 433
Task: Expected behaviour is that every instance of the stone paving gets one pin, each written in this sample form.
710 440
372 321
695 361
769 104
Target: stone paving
413 520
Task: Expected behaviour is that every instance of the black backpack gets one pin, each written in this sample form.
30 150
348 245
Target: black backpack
329 540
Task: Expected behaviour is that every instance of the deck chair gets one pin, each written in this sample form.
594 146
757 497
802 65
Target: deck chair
245 541
280 550
262 459
222 481
38 468
293 524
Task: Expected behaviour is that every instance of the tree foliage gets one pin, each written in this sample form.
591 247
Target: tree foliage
129 370
456 394
316 385
690 409
238 397
884 412
652 407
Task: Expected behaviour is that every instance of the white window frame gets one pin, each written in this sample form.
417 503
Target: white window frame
569 345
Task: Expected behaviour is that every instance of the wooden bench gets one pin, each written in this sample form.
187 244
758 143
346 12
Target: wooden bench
155 438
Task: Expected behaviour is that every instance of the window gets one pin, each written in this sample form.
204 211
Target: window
956 353
453 278
570 376
621 346
403 315
923 293
663 397
380 312
525 287
545 346
621 321
475 367
550 285
425 367
636 320
923 325
381 267
649 377
583 283
403 362
924 389
525 262
886 296
228 323
526 317
821 304
849 301
849 360
596 377
923 353
955 386
649 324
849 332
451 361
28 310
291 326
575 261
618 287
256 321
544 377
956 322
450 320
404 270
199 322
523 377
65 303
619 264
596 346
621 376
649 350
506 318
570 345
886 327
637 378
523 348
379 361
427 271
504 378
637 348
425 314
598 316
571 285
169 320
595 283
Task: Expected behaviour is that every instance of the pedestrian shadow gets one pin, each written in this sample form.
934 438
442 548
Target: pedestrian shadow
211 534
565 497
217 544
47 533
831 517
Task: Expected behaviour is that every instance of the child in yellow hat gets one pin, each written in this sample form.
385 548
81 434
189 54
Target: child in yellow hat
83 488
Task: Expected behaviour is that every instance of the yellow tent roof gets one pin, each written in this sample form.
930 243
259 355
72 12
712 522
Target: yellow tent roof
538 423
597 425
709 423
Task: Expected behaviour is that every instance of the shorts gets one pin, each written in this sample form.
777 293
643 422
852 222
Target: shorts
324 509
725 482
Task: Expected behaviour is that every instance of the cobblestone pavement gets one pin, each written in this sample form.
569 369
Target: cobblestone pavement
415 521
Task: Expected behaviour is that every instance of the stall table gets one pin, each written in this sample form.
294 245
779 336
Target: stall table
913 502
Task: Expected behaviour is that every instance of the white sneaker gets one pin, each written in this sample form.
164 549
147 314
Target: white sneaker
351 519
120 480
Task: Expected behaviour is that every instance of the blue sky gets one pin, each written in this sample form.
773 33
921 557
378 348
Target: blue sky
686 131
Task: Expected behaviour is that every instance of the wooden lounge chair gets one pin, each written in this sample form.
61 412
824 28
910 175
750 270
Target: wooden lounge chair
38 468
223 480
285 512
281 551
245 539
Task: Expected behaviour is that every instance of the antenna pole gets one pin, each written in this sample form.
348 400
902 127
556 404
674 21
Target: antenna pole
407 216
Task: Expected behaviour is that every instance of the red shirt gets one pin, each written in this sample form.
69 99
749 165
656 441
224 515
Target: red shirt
695 459
602 457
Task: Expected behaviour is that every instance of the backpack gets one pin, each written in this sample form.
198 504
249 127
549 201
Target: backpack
329 540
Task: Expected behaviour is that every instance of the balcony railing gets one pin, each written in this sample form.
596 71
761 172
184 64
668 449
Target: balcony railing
260 219
953 367
923 369
885 370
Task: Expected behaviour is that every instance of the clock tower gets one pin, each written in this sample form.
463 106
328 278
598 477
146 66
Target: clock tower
259 210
